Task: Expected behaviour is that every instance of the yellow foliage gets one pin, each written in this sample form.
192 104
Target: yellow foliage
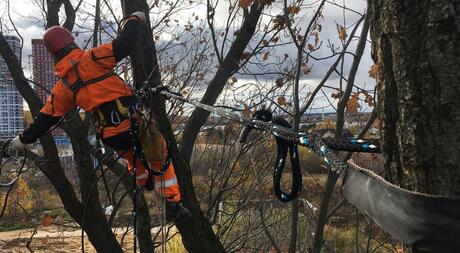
175 245
374 71
353 103
293 9
342 33
20 196
326 124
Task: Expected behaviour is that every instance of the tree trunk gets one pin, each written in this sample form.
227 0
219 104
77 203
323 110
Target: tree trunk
416 47
196 231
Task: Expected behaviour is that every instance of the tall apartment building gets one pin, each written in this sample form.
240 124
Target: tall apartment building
11 107
42 69
43 73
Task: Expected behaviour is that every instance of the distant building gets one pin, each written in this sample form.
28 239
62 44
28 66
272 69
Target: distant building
43 73
42 69
11 108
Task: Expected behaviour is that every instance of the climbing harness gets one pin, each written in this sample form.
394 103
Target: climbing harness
112 113
80 83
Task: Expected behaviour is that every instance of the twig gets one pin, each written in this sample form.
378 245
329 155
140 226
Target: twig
30 239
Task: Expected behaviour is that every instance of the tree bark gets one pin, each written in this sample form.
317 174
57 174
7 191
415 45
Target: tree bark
416 47
196 231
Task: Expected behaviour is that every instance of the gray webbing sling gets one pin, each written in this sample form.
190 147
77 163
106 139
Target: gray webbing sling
427 223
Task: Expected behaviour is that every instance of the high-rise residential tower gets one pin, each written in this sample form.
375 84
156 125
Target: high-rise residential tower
11 103
42 69
43 74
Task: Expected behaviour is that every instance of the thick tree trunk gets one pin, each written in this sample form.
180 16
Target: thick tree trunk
196 231
416 46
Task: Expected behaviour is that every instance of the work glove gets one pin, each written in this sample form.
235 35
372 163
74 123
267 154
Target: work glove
140 15
16 144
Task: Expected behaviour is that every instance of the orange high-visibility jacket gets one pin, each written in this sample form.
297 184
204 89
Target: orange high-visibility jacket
87 65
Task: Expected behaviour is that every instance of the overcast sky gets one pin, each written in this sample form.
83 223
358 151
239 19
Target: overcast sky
26 16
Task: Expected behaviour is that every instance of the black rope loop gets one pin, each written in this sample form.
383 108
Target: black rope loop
283 146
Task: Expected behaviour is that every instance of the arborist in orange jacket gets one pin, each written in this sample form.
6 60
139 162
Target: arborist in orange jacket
87 80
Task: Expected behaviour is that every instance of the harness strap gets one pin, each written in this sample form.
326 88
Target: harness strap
79 83
112 113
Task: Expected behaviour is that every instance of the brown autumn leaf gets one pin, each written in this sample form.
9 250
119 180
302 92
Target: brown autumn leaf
157 37
299 38
342 33
245 55
265 2
282 100
316 38
265 57
244 3
274 40
278 22
336 95
47 220
247 112
374 71
293 10
353 103
279 82
200 76
369 100
310 47
306 70
44 240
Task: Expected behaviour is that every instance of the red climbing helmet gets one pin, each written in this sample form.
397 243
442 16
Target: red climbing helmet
57 38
